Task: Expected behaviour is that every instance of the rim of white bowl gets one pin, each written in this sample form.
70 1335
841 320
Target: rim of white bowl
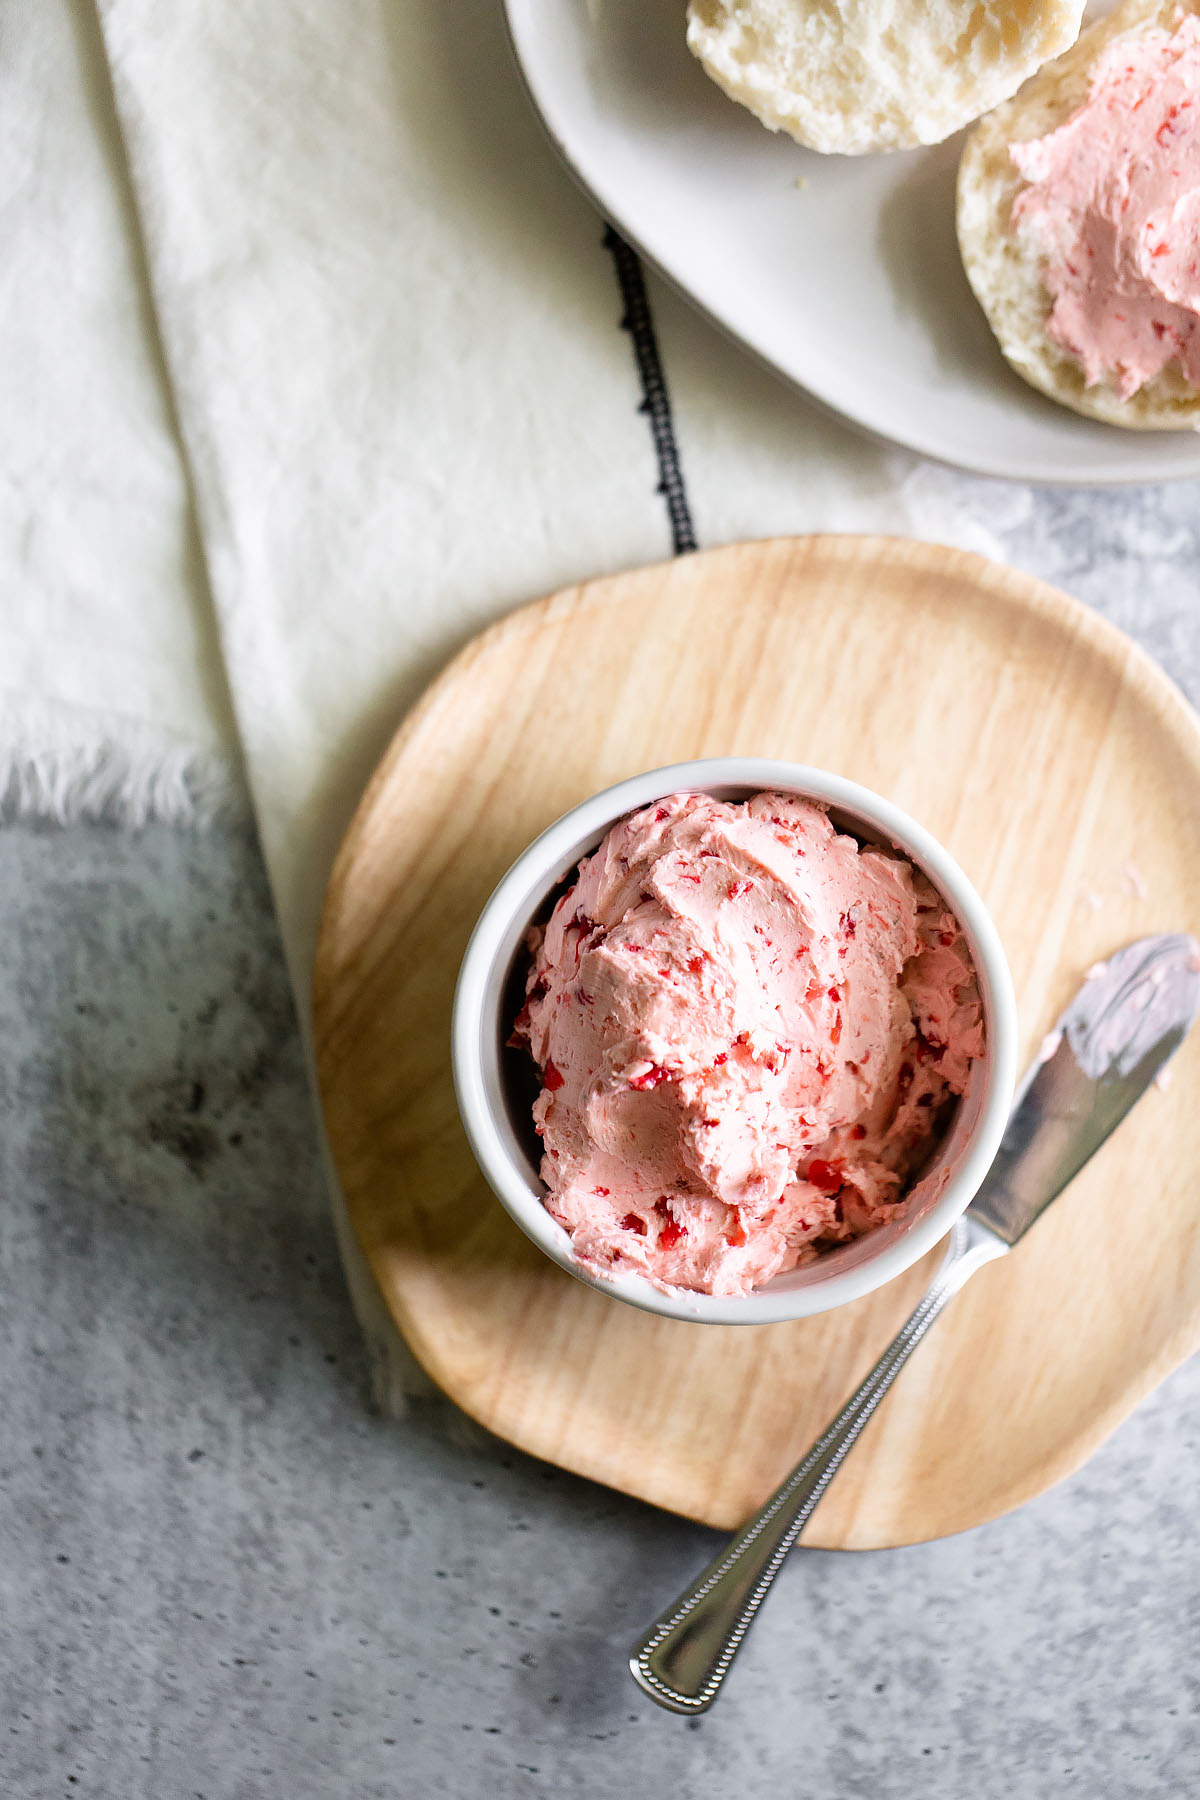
483 977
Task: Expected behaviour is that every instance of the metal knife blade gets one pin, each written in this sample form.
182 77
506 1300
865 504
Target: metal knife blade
1115 1038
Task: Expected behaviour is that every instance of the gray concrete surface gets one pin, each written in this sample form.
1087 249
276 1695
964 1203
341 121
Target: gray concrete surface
222 1575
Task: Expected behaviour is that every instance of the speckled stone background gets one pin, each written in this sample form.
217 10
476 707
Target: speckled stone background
223 1575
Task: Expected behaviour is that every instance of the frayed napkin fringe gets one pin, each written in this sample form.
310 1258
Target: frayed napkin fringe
66 765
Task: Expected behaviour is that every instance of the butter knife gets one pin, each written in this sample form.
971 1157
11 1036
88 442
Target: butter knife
1130 1016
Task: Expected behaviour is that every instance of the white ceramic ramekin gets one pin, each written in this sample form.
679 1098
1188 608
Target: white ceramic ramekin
502 1140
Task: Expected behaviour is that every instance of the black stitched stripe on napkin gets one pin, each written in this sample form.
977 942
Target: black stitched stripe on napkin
656 404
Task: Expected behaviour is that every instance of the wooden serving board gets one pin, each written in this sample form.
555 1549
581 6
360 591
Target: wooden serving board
1060 767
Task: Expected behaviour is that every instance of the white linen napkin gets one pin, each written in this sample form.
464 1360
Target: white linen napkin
112 694
393 334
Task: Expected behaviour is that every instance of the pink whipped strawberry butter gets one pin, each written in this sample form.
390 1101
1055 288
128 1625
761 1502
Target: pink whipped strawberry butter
1113 210
748 1028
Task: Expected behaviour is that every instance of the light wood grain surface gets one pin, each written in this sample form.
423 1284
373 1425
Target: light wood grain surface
1058 765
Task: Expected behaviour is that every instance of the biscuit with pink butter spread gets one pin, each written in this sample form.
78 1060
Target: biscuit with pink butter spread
748 1029
1078 214
1113 211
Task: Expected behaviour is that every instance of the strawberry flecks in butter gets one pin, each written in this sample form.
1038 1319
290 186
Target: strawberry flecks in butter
1113 211
756 1073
